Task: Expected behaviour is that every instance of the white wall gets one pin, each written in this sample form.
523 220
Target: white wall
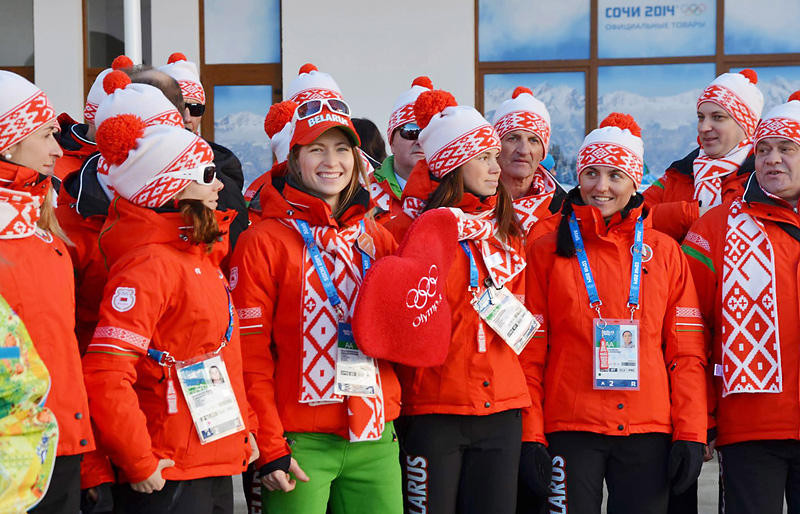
176 28
375 49
58 50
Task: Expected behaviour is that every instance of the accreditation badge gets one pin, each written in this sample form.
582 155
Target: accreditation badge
507 316
356 374
212 403
616 354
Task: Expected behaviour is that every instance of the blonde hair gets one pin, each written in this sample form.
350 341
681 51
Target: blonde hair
47 217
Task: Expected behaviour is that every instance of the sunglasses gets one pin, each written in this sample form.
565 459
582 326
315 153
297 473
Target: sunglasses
196 110
312 107
410 131
204 174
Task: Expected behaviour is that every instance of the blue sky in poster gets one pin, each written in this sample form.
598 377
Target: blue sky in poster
232 99
654 80
242 31
516 30
770 28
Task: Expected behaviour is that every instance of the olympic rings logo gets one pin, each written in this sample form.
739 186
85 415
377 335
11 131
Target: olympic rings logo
427 287
696 9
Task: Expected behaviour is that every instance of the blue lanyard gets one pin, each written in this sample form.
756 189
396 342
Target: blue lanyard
322 270
473 268
586 270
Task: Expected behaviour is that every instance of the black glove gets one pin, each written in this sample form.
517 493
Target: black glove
104 503
536 468
685 463
281 463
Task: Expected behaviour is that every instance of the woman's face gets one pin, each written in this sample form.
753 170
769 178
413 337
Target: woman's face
326 165
717 130
208 194
482 174
38 151
606 188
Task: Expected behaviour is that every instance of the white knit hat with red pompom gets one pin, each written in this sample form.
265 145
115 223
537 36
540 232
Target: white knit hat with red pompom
523 112
97 93
451 134
782 121
24 109
140 158
278 126
618 144
738 95
312 84
185 72
403 108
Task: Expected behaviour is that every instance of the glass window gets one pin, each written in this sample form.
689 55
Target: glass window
564 95
239 113
16 33
769 28
106 26
242 31
662 99
513 30
637 28
776 83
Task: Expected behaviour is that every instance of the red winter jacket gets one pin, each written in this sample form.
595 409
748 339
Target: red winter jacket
670 198
268 270
752 416
36 281
470 382
74 144
176 302
559 359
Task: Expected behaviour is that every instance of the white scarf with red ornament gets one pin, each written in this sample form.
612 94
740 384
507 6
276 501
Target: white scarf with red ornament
19 212
528 208
751 349
320 320
708 172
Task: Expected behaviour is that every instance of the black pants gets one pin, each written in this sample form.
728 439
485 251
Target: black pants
458 463
756 475
212 495
634 468
64 493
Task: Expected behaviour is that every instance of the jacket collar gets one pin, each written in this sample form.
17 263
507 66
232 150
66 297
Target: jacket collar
73 137
762 204
386 174
83 189
591 221
685 166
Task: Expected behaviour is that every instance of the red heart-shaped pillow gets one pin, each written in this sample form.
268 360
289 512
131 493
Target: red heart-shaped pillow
402 314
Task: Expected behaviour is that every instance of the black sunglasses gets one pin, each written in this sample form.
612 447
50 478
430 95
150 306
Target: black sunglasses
196 110
409 131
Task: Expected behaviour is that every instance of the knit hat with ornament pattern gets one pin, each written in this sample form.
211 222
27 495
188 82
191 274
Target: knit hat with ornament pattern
616 143
97 93
782 121
403 108
185 72
738 95
523 112
312 84
24 109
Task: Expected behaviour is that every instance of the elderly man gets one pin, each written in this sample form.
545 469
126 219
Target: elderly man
523 124
744 257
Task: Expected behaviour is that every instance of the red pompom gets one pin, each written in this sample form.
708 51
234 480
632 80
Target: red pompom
520 90
177 56
307 68
622 121
423 82
430 103
278 116
115 80
121 62
751 75
117 136
795 96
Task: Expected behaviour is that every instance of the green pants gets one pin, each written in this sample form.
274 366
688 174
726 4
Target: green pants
357 477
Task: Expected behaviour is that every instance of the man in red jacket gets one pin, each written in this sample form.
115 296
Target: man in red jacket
744 257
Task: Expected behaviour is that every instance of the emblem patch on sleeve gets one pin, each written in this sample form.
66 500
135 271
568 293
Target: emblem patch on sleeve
124 299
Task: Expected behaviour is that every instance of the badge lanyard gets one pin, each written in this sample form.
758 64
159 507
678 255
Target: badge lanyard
586 270
473 268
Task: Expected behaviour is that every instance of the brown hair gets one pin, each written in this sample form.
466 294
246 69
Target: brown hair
204 227
345 197
450 191
47 218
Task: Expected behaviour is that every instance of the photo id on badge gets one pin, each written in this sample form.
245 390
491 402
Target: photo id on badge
616 354
355 372
212 403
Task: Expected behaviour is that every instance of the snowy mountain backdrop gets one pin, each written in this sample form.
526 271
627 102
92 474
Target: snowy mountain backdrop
243 132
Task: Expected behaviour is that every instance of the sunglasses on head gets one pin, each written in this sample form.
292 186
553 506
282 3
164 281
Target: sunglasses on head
203 174
196 110
410 131
312 107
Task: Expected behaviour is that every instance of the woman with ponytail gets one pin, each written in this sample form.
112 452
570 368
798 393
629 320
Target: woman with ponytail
617 371
460 434
167 318
36 273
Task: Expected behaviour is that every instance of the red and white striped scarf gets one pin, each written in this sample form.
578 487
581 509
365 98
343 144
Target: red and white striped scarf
529 208
320 349
751 356
19 212
708 172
